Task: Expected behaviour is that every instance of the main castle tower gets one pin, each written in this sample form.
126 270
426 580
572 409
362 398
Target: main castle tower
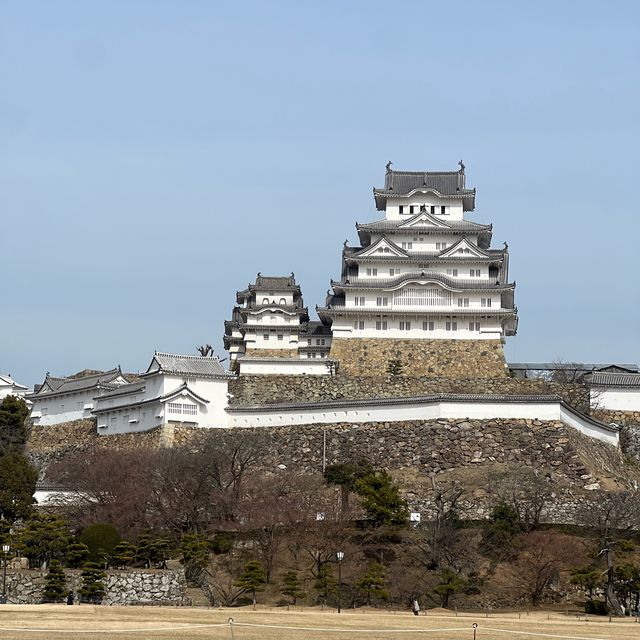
424 287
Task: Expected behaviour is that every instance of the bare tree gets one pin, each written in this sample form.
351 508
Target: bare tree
613 517
439 537
538 566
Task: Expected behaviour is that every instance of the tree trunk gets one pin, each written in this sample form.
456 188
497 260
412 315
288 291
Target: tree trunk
611 594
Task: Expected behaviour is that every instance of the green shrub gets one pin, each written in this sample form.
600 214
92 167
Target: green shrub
596 607
101 540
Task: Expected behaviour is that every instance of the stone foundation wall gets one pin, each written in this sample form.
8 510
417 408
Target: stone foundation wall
50 442
436 358
249 390
121 587
272 353
433 447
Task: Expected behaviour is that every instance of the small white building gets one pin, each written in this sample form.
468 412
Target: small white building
614 391
9 387
59 400
175 389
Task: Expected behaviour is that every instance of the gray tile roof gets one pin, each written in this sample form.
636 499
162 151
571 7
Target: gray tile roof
72 384
569 366
124 390
393 226
457 284
604 379
188 365
446 183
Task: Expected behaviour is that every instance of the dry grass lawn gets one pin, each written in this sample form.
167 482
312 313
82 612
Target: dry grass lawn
136 623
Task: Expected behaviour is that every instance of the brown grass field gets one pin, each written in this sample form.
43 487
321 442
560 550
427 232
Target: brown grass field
37 622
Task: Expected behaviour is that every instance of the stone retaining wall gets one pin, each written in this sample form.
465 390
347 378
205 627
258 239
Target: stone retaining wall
448 358
272 353
250 390
121 587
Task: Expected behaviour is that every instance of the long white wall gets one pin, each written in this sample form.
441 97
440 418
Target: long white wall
300 367
421 410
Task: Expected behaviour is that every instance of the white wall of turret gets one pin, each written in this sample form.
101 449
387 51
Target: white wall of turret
422 327
453 209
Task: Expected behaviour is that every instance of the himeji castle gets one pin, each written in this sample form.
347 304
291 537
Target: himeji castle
423 271
423 284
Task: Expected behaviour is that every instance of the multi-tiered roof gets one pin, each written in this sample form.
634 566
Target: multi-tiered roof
423 267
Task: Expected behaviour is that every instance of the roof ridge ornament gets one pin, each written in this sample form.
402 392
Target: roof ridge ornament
388 166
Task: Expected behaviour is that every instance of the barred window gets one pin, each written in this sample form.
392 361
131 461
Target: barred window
422 297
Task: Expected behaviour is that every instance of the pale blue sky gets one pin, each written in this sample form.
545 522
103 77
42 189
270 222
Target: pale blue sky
155 155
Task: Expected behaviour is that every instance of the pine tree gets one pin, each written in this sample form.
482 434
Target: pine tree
124 554
372 584
291 586
77 554
55 584
325 583
252 578
92 589
395 367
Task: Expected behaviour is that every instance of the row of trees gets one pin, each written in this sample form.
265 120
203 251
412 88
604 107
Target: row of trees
238 529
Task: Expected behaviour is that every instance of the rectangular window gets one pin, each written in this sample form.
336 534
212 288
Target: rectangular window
317 342
452 272
485 302
359 302
463 302
394 272
443 210
410 208
381 325
474 326
361 324
407 245
382 302
401 208
322 341
474 273
433 209
266 336
405 326
428 326
438 246
309 341
280 336
355 324
308 354
372 272
451 326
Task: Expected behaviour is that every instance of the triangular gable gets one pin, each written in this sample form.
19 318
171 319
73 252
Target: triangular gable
464 244
184 391
387 247
424 219
154 366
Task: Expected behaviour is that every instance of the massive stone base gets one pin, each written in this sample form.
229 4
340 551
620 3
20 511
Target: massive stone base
437 358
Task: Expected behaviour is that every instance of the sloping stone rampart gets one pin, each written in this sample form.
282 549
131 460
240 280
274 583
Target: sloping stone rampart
447 358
